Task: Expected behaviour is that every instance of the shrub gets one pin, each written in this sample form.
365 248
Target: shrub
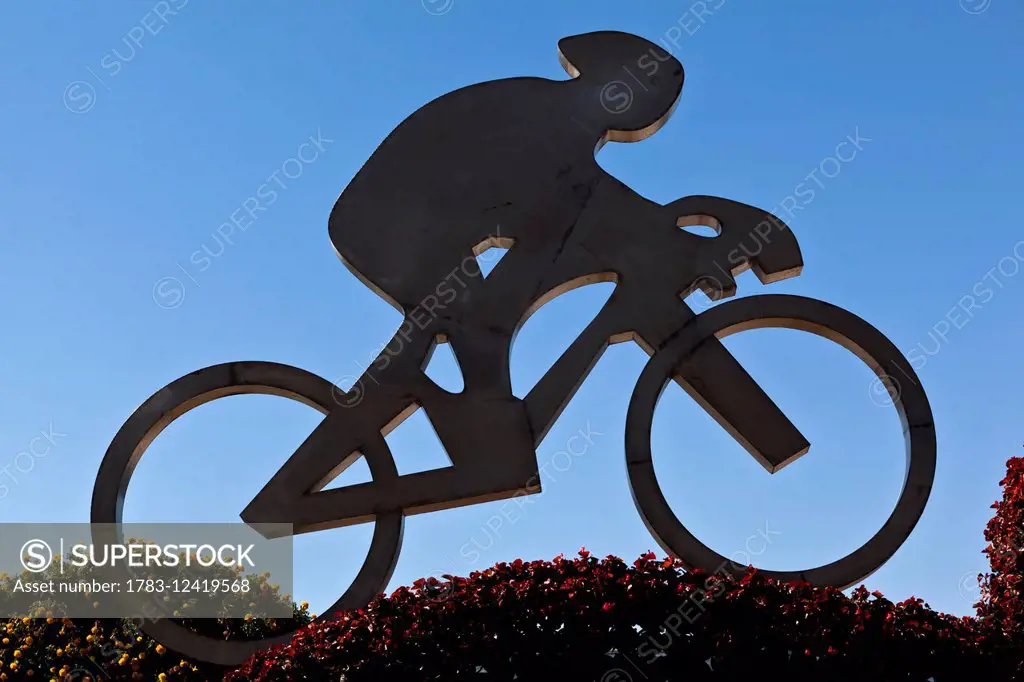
1002 590
42 647
589 619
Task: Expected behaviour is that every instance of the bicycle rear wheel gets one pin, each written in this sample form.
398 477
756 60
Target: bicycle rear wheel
187 393
822 319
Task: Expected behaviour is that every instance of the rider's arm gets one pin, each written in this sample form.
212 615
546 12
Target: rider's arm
656 263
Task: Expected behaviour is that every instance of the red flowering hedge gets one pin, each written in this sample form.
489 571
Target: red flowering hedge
589 619
601 620
1002 590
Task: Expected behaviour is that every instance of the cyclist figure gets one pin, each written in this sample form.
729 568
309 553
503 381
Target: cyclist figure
507 162
511 163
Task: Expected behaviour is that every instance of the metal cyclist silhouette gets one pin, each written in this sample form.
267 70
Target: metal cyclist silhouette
520 153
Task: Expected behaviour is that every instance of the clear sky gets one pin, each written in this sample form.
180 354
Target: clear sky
128 137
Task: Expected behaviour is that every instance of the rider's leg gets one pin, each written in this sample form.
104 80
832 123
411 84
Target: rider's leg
379 397
485 433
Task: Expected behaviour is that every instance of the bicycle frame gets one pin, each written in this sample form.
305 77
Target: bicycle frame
466 424
521 152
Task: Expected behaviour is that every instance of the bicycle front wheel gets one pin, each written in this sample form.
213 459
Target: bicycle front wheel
825 320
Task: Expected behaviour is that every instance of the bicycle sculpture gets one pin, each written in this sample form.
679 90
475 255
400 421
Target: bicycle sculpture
520 153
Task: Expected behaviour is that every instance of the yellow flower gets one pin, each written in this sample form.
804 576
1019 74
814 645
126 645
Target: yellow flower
60 652
162 677
17 654
160 648
6 641
28 640
14 665
304 605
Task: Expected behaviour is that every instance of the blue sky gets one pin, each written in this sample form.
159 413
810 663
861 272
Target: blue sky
121 159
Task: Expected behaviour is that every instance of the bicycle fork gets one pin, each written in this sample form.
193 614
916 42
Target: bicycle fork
711 376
